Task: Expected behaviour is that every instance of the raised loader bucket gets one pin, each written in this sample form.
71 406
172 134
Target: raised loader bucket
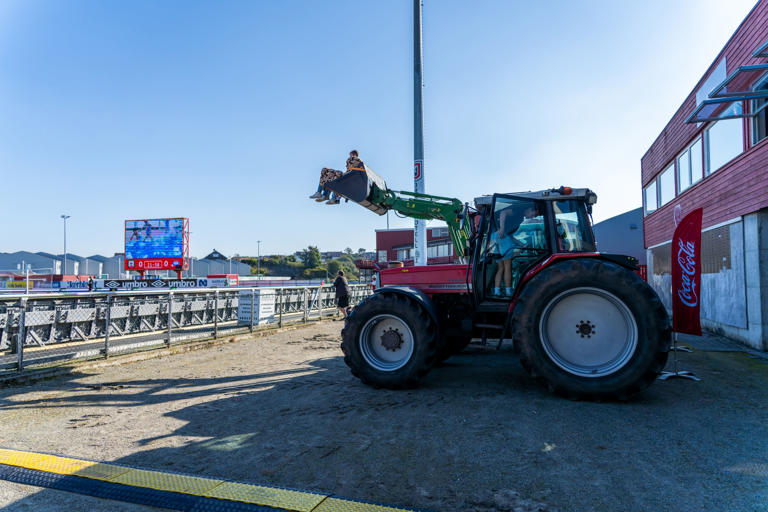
359 185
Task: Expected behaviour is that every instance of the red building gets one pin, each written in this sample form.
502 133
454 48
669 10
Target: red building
397 245
713 154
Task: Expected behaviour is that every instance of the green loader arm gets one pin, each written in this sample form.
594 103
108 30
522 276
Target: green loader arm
427 207
368 189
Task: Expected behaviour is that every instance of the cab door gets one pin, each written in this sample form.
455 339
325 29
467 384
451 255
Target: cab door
513 237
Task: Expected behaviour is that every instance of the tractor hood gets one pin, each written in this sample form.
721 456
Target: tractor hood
430 279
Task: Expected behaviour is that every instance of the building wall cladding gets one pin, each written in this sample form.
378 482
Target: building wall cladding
737 188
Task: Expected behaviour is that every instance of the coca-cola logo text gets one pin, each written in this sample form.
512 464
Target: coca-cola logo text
686 258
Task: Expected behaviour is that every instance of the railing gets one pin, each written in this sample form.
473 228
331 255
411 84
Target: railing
47 329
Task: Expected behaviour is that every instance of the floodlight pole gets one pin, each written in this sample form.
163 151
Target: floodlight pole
420 226
258 258
65 217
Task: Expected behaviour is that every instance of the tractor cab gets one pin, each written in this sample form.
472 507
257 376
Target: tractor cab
512 233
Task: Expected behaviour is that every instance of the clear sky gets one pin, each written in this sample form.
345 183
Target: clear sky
225 111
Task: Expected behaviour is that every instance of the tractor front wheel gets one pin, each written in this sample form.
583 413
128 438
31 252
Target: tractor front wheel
389 341
591 329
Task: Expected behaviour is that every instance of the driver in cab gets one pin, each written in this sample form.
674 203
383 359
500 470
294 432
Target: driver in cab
508 246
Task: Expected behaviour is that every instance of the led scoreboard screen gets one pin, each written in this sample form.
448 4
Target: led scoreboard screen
156 244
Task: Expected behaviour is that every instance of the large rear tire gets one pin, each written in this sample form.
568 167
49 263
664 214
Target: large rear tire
389 341
591 329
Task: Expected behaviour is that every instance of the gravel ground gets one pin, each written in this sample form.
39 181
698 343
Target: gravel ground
479 435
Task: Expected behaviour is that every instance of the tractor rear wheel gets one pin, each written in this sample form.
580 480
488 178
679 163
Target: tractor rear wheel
591 329
389 341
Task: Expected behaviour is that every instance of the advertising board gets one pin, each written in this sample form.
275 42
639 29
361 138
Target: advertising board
157 244
222 280
151 284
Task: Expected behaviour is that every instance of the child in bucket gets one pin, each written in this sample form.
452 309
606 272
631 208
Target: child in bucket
326 175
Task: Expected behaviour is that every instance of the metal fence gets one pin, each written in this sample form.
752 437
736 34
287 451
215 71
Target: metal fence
43 330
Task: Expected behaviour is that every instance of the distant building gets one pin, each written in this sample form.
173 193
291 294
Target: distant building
110 266
209 266
216 255
397 245
712 155
622 234
85 266
330 255
38 263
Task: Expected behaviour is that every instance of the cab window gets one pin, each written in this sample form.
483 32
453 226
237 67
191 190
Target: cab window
572 229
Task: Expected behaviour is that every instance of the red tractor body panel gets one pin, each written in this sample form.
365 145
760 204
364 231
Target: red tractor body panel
435 279
430 279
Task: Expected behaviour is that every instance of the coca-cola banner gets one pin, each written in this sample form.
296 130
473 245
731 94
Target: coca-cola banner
686 275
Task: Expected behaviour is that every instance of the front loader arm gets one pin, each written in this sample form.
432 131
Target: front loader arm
368 189
428 207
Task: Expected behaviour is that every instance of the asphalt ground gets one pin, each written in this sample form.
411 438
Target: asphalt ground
479 435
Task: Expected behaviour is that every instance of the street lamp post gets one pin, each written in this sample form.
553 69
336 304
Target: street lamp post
258 258
65 217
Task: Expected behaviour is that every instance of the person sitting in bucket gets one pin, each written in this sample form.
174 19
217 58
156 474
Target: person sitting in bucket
326 175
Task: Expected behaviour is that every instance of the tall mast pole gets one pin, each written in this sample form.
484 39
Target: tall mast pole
420 226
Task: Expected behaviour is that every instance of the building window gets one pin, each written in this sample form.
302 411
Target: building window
667 185
684 171
404 254
649 196
760 121
383 255
439 232
697 161
440 250
725 141
689 166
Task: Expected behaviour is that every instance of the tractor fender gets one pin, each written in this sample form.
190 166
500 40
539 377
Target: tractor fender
415 294
627 262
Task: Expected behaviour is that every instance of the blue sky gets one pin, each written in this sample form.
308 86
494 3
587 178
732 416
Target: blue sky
225 111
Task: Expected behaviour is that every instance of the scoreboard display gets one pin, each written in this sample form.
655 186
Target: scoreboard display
156 244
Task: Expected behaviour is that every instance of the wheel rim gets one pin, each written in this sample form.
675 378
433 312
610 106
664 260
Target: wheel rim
386 343
588 332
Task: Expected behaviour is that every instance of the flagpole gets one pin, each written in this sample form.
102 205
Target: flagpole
685 374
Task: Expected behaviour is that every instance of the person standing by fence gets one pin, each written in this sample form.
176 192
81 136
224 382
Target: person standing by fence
342 294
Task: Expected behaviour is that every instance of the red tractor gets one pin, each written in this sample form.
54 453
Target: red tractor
583 322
